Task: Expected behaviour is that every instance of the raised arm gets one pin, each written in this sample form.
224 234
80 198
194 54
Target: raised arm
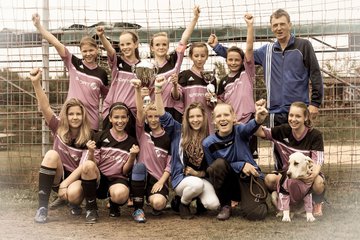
134 150
158 98
60 48
41 97
174 78
261 111
249 52
216 46
190 28
100 31
138 100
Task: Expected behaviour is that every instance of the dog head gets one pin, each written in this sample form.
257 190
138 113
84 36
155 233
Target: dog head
299 165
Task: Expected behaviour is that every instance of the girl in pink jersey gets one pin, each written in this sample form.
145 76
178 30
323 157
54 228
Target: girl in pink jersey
237 88
71 130
298 135
169 65
152 170
193 85
112 153
121 70
87 80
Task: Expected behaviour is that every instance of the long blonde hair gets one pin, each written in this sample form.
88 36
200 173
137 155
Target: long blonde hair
187 131
64 129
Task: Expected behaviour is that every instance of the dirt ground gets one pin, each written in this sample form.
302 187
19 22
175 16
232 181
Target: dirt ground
340 221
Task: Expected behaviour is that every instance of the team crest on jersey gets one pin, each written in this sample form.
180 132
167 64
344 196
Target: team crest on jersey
93 86
75 158
286 140
191 79
158 153
120 65
106 140
81 66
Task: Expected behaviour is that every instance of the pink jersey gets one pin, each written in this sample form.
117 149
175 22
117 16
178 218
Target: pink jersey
120 90
86 84
154 151
292 192
193 90
70 157
112 154
240 93
310 144
167 69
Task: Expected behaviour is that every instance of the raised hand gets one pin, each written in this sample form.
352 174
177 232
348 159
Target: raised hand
261 111
134 149
100 30
159 82
136 83
249 19
91 145
35 75
213 40
196 11
36 19
174 78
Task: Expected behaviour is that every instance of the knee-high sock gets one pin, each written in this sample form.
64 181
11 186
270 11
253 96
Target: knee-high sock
138 193
113 205
89 188
138 184
319 198
46 180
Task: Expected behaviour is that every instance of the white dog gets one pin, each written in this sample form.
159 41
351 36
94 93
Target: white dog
291 190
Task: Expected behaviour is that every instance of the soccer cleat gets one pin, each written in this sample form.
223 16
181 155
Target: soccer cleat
317 209
225 213
185 211
139 216
175 203
91 216
41 215
200 209
75 210
155 212
114 212
58 202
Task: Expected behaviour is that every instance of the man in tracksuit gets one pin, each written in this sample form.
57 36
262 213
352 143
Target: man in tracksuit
289 64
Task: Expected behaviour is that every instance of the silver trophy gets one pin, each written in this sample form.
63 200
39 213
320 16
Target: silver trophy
209 77
146 100
146 72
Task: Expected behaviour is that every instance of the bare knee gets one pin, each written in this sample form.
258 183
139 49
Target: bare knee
158 201
89 170
119 193
75 193
271 181
51 159
318 185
